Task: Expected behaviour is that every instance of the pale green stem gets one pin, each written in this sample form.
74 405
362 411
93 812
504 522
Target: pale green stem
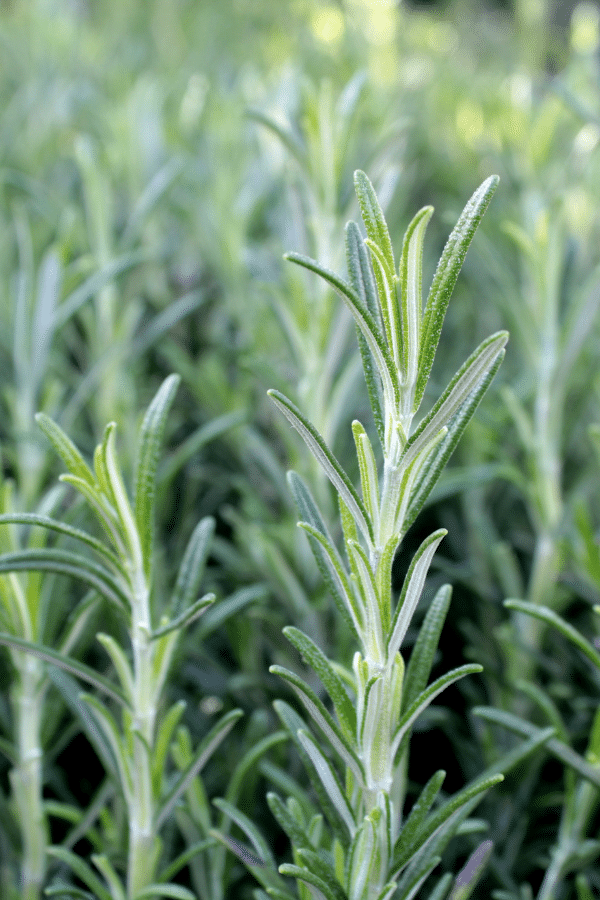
377 757
142 839
575 820
546 461
26 777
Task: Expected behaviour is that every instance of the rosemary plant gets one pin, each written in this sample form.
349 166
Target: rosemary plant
371 854
135 752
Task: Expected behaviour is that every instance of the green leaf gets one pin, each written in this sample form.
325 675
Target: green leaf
261 846
363 285
374 219
362 857
297 835
277 895
412 590
108 725
322 718
103 864
388 304
62 890
328 559
192 565
148 451
102 508
176 865
468 878
82 870
412 827
205 750
436 463
64 562
388 891
68 663
66 449
442 888
186 618
331 681
416 876
249 761
243 853
54 525
315 863
465 381
410 270
295 725
121 664
374 607
101 470
329 463
437 819
369 479
561 750
218 613
176 891
308 877
513 759
72 696
162 744
551 618
364 321
118 494
424 650
329 778
298 797
583 888
164 648
427 696
445 278
92 285
289 140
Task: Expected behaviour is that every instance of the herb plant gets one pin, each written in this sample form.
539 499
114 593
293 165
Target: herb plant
370 852
135 751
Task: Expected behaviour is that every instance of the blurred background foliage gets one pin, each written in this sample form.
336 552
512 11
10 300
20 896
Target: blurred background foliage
157 158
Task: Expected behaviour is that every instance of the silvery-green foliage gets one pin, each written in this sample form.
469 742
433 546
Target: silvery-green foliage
123 719
356 755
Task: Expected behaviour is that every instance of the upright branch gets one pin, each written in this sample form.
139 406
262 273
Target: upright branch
136 745
377 703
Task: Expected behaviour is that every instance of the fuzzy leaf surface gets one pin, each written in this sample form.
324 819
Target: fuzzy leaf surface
192 565
363 285
423 653
445 277
364 320
322 718
327 460
149 446
436 463
465 382
66 449
412 589
331 681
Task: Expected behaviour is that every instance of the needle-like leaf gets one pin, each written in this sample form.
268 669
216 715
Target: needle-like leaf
329 463
445 277
149 445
